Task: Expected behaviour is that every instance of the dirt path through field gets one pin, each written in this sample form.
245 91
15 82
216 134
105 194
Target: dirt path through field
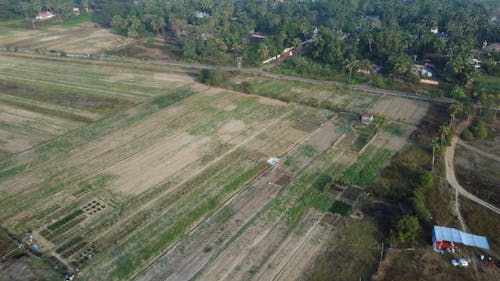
452 180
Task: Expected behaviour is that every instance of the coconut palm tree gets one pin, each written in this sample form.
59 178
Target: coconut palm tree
350 64
444 131
435 148
158 24
455 109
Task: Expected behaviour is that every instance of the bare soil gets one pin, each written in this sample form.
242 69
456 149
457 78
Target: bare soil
401 109
424 264
297 252
82 38
478 174
27 268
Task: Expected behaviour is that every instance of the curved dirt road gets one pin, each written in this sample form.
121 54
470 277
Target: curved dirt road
452 180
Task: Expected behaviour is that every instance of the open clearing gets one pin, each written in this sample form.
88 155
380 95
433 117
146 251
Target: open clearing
134 171
85 38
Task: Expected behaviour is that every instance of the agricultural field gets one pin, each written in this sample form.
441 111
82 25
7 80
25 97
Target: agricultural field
83 37
131 171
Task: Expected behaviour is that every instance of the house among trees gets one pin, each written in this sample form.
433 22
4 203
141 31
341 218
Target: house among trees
76 11
367 118
45 15
423 71
476 63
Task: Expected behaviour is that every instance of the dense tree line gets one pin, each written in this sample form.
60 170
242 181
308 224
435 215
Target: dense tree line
29 8
388 32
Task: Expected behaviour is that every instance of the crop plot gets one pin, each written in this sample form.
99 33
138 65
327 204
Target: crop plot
82 38
137 172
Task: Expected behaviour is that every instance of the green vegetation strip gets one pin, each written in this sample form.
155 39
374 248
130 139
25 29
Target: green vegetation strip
340 208
65 220
368 166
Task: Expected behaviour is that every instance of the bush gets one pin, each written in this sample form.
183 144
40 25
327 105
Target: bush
340 208
426 181
211 77
479 130
247 88
467 134
407 228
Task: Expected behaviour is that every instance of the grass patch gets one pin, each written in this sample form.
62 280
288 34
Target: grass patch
224 214
309 151
322 202
341 208
487 84
303 67
60 96
365 134
368 166
323 182
361 141
482 221
167 100
393 129
352 255
76 20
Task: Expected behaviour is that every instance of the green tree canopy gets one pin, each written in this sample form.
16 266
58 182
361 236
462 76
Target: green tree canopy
407 228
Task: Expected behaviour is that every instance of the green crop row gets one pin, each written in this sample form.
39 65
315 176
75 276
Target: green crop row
65 220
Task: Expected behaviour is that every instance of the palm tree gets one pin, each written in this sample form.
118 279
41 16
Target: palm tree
435 148
445 131
351 63
157 24
297 45
263 51
456 108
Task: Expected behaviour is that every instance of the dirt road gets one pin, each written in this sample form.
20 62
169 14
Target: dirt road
452 180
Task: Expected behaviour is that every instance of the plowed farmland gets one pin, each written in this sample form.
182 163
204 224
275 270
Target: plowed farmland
129 171
85 37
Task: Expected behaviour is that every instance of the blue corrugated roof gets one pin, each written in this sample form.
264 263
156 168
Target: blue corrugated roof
441 233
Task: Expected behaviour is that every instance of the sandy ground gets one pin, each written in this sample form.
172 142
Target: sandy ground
231 129
173 77
120 77
164 159
401 109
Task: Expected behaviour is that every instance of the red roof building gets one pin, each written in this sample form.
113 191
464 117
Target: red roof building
367 117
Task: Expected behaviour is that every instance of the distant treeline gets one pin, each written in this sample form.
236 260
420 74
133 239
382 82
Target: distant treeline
388 32
29 8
